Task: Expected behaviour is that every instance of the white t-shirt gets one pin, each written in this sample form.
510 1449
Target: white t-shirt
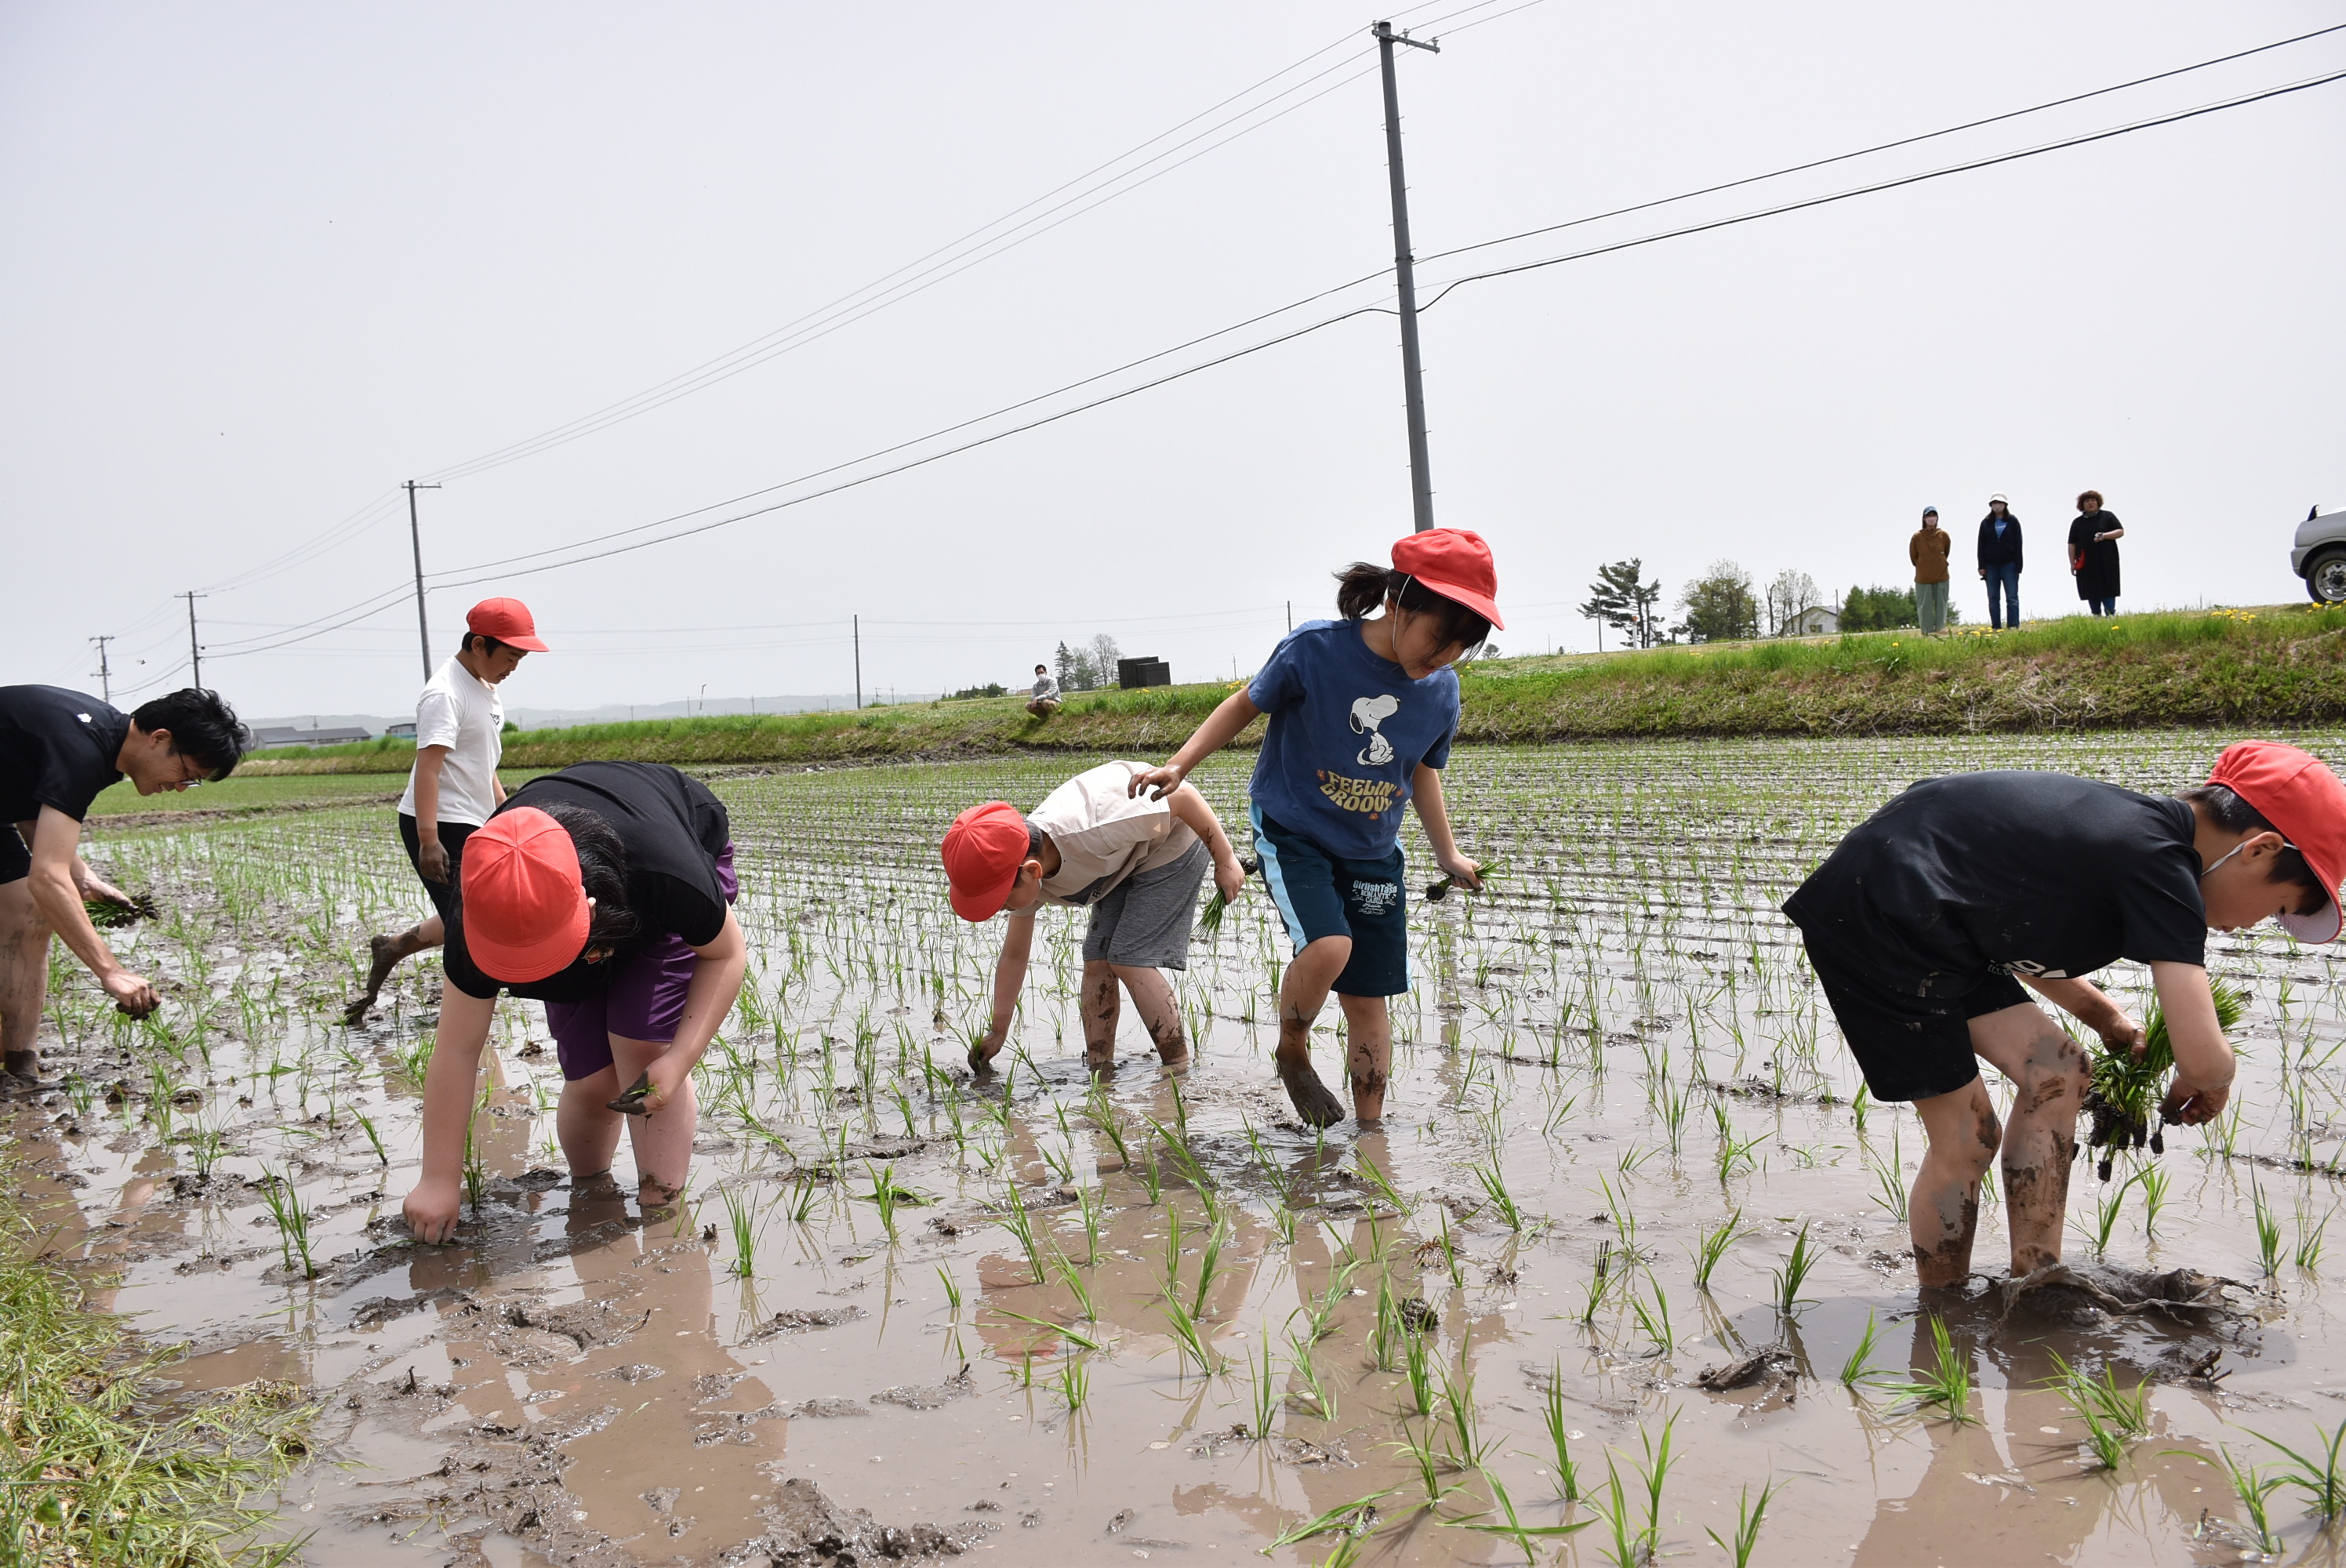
1103 835
460 711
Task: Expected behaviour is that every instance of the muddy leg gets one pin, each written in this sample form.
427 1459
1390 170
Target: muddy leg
663 1140
1301 995
1943 1213
383 955
1102 1008
23 974
1368 1026
588 1127
1153 999
2049 1077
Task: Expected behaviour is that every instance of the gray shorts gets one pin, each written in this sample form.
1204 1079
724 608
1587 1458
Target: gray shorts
1144 922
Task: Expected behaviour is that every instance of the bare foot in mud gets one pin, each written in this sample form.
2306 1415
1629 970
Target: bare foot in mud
1313 1102
25 1067
385 951
1099 1067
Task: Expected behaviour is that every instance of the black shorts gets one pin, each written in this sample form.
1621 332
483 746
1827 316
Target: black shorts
1909 1048
15 855
452 839
1320 894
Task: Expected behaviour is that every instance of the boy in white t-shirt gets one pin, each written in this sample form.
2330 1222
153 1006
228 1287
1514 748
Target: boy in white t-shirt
1136 864
459 740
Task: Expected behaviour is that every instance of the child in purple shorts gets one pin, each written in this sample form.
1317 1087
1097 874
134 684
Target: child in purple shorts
604 891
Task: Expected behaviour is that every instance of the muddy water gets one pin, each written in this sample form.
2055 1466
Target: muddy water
1618 1044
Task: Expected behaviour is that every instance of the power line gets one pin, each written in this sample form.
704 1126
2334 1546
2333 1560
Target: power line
1888 146
1882 184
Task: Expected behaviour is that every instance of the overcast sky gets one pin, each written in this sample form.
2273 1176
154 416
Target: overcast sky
265 262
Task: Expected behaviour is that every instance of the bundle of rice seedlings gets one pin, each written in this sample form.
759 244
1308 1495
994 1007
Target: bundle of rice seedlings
1209 919
2126 1090
1437 891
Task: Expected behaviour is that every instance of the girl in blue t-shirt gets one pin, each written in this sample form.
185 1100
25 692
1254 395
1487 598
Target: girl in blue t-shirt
1362 712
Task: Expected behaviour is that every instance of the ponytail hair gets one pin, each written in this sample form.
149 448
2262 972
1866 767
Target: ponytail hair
603 870
1365 587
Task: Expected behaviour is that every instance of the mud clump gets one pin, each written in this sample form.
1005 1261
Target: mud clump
807 1530
799 1320
929 1395
2065 1288
1769 1365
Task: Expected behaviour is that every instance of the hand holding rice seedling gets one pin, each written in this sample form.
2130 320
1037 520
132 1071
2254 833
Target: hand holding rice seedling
2126 1086
1437 891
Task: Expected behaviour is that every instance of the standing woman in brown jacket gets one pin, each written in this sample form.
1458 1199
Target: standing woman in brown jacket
1928 551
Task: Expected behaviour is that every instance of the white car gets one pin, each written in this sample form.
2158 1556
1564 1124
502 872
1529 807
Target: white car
2320 555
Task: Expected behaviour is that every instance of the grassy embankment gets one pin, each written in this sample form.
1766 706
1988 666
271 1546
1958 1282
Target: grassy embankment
91 1470
2284 666
2273 669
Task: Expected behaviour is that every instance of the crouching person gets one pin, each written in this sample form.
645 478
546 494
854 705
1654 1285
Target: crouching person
1136 864
604 891
1926 922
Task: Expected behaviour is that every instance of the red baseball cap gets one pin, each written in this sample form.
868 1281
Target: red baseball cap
1456 563
525 910
984 850
2297 793
507 620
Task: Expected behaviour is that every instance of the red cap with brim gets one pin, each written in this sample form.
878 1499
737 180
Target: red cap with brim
2298 794
524 912
1456 563
983 851
508 621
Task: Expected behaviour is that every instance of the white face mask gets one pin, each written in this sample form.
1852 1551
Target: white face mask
2227 855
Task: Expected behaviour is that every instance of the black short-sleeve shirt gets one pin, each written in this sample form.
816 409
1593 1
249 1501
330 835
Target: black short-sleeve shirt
672 829
56 749
2008 873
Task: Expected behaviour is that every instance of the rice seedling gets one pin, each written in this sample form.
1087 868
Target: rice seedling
1375 1174
1305 1368
2308 1243
1749 1516
952 1289
1945 1384
1559 1434
1654 1322
1791 1278
2251 1484
2153 1180
293 1220
1417 1366
1512 1527
2317 1474
1188 1337
1210 1262
1074 1383
1021 1225
2268 1233
1467 1446
1859 1369
742 1220
1261 1385
1072 1334
1073 1279
2113 1416
1713 1246
1495 1185
1356 1518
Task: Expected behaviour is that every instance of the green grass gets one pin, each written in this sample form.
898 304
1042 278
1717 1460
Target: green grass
91 1473
2265 667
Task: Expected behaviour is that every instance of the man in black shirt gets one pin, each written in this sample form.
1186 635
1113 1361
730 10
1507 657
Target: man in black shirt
1925 924
58 750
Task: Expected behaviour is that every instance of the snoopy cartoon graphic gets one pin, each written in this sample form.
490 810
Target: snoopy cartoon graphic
1368 713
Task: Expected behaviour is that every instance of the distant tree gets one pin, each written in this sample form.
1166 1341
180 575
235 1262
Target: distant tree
1074 668
1618 599
1105 652
1719 605
1877 609
1790 592
991 688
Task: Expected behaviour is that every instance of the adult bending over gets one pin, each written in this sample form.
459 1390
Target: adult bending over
58 750
604 891
1925 922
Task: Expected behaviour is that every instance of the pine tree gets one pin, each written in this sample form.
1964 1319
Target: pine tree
1619 600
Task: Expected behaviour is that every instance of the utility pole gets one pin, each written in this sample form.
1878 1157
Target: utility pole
856 624
1421 477
105 672
415 538
194 651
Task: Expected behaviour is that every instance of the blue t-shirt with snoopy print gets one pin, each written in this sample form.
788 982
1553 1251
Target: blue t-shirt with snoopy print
1348 729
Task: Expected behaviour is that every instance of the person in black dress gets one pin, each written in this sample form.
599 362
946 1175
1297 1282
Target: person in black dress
2094 554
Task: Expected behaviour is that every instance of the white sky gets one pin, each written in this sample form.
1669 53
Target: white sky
264 262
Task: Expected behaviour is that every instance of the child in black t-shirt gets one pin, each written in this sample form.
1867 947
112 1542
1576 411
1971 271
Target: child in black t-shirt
1925 924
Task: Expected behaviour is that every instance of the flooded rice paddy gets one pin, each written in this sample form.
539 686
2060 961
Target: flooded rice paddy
1625 1255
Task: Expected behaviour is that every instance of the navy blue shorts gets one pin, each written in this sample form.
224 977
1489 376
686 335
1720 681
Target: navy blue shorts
1320 894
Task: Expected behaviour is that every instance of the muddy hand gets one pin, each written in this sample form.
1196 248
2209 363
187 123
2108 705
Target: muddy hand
2188 1105
1313 1102
631 1104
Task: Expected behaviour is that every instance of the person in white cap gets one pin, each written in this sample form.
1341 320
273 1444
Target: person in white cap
1926 922
459 740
